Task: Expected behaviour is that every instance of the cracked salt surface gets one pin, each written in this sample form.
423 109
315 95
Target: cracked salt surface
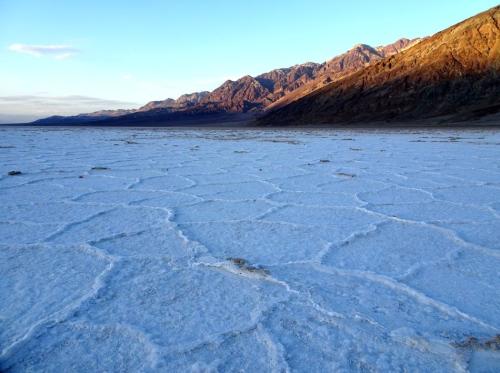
227 250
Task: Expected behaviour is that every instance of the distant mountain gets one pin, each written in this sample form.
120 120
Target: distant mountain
183 102
239 96
169 105
283 81
84 118
247 95
163 104
454 75
254 94
191 99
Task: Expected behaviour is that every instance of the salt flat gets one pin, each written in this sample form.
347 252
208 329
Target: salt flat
222 250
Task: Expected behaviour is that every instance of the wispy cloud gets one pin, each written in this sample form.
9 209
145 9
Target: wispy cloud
22 108
59 52
62 100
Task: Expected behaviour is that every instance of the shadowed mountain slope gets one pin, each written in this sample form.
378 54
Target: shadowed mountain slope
343 65
454 74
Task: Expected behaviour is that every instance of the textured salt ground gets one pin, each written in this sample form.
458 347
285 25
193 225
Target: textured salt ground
224 250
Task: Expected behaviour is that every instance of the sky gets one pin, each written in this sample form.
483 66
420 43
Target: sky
71 56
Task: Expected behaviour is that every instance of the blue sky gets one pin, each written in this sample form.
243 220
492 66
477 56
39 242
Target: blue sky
129 52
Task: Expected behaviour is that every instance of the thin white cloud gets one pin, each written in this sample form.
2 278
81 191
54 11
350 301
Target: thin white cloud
127 77
59 52
23 108
64 56
62 100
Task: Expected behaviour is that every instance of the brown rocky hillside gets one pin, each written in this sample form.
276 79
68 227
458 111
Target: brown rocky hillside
454 74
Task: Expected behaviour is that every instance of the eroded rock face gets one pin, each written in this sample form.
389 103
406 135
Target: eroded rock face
249 93
183 102
455 73
281 86
398 46
239 96
192 98
359 57
355 59
283 81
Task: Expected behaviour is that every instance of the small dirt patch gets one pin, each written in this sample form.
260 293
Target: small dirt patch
245 266
492 344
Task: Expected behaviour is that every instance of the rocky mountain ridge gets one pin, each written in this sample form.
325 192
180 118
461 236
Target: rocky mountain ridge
248 94
355 59
454 75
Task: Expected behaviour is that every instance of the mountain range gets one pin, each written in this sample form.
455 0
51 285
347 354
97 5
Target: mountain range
453 75
247 94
